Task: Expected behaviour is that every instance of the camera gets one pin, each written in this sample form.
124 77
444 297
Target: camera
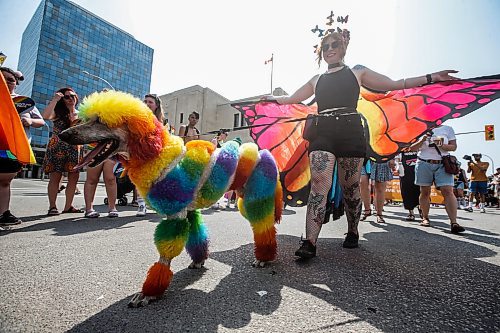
467 157
222 131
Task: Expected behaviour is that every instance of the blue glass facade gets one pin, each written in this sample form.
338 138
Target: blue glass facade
61 41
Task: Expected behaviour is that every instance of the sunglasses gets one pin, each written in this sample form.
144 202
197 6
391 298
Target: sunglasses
333 45
11 80
70 96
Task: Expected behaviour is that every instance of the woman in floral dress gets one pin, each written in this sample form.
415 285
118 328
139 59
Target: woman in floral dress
60 156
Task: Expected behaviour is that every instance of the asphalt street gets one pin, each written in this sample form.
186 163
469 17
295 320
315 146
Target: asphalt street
68 273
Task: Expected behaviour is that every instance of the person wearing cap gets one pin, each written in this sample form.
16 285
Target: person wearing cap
479 181
9 167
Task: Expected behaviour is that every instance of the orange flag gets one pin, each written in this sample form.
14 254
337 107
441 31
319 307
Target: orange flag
13 140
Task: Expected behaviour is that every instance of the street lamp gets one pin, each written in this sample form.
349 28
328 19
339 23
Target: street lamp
98 77
492 163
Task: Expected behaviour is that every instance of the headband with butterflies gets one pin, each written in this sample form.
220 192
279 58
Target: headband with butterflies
330 29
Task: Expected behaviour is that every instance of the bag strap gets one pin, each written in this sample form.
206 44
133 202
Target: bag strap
439 151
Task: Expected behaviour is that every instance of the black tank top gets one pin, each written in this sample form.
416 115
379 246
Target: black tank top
338 89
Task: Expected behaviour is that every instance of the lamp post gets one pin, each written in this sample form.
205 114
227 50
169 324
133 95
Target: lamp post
99 78
492 163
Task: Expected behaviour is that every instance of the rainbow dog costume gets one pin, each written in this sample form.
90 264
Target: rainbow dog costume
177 180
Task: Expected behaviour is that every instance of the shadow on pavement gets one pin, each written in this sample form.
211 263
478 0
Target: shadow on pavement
74 224
400 279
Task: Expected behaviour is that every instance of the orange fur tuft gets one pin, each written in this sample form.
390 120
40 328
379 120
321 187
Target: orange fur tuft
158 279
278 202
144 147
265 245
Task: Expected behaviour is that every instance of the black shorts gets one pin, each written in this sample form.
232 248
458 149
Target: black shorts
340 134
9 166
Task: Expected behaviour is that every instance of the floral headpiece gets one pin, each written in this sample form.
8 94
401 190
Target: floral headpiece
330 28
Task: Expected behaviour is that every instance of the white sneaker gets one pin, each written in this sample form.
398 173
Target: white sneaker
141 211
483 210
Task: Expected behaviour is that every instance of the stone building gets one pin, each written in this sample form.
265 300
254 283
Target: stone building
215 111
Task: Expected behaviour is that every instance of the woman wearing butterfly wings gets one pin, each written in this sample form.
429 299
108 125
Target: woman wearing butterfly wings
339 133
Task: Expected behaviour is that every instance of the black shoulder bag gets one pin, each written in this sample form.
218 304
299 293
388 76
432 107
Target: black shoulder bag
310 131
450 163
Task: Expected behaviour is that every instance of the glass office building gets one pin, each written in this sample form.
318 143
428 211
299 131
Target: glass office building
63 40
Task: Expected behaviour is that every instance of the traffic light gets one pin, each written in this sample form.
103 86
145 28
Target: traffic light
489 132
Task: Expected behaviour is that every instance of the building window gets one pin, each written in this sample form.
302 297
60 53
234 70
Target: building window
236 121
182 118
243 121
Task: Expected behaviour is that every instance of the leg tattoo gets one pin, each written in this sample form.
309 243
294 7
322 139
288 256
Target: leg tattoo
349 175
322 164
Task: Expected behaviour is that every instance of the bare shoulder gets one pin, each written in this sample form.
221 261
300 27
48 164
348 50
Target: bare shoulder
314 79
359 68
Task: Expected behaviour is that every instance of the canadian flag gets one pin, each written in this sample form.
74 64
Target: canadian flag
270 60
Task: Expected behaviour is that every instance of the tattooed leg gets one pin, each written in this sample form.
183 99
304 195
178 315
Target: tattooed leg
321 163
349 176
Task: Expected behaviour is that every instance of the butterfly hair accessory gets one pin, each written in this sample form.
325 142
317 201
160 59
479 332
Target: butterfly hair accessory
331 28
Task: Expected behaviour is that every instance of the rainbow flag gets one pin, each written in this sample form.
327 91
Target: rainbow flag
13 141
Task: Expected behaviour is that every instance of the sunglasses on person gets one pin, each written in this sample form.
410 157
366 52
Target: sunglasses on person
11 80
70 96
325 47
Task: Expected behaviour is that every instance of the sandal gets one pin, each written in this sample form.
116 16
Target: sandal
92 214
380 219
456 228
113 213
425 223
53 211
72 210
366 213
410 217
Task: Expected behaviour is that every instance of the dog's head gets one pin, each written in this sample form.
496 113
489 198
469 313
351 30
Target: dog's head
118 124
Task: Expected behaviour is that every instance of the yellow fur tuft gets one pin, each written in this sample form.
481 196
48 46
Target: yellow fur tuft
116 108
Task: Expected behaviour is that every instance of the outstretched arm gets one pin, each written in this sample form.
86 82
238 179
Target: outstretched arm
377 81
303 93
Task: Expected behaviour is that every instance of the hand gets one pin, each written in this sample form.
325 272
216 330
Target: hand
57 96
268 98
444 75
423 138
438 141
26 121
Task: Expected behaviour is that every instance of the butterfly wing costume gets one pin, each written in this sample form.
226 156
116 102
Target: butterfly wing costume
392 121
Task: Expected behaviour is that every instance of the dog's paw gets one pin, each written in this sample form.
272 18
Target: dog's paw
259 264
139 300
196 265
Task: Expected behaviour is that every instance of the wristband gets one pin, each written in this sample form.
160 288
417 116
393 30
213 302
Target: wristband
429 78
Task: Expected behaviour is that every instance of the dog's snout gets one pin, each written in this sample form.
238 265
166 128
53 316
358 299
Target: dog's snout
64 135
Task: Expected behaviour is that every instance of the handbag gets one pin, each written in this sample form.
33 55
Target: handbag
450 163
310 131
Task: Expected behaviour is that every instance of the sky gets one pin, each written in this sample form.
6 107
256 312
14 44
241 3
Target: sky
222 44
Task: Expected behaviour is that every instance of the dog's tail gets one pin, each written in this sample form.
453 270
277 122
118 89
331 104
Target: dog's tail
278 202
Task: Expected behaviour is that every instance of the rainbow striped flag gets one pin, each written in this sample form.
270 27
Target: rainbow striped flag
13 141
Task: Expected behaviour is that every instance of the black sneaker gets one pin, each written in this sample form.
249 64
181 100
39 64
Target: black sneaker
306 250
8 219
351 241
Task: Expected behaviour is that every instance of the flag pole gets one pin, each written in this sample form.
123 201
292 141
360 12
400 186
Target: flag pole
272 67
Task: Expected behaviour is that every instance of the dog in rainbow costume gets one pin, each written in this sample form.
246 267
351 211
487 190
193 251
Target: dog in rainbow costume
177 180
